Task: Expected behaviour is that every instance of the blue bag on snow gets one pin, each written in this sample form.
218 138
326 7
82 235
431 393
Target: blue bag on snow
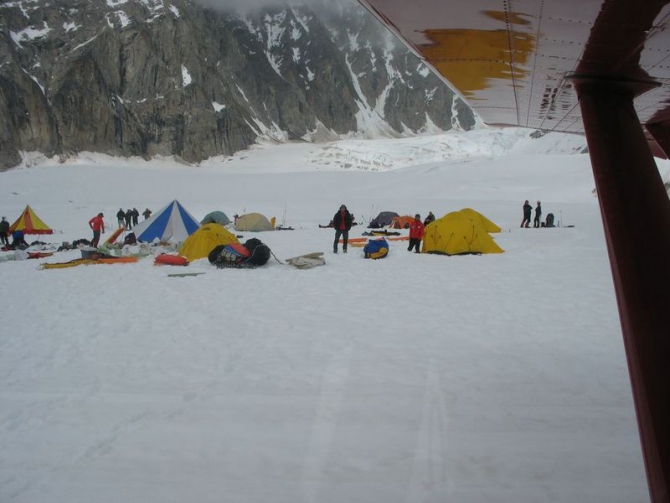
376 248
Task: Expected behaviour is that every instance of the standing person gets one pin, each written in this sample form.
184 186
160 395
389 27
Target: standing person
129 219
538 215
416 230
430 218
136 216
146 213
527 210
121 217
342 224
4 231
97 224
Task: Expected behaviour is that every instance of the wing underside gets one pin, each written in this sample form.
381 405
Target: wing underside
514 61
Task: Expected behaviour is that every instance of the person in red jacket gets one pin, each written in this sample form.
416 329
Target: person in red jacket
97 224
342 223
416 230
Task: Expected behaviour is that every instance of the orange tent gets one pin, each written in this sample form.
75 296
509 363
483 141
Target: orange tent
402 222
30 223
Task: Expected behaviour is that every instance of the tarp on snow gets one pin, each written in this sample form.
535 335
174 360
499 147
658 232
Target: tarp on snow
30 223
172 223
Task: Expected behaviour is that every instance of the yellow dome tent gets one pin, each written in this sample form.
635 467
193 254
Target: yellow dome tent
455 234
485 222
204 240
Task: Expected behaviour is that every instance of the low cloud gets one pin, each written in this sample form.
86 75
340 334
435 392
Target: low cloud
251 5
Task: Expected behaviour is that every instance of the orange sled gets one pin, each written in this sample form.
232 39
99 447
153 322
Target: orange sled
166 259
112 239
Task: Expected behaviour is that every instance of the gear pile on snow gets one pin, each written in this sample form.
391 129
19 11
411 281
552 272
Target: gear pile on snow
376 248
252 253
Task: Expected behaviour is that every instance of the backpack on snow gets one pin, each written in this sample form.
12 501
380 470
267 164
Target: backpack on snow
376 248
230 255
259 252
550 220
250 254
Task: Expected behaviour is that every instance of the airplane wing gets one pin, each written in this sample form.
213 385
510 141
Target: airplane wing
514 62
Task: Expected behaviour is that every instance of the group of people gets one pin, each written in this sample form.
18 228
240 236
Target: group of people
527 212
343 221
130 218
126 219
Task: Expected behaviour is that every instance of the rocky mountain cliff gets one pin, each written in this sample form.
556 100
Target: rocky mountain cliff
172 77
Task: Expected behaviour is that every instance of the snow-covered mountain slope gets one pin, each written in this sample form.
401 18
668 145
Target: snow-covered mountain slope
171 77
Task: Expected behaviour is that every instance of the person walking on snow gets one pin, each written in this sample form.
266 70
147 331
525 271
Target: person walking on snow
416 230
146 213
342 223
97 224
527 210
538 215
129 219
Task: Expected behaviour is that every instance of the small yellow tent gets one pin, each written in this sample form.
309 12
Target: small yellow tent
253 222
30 223
483 221
204 240
455 234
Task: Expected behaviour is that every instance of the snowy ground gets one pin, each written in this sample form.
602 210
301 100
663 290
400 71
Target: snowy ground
416 378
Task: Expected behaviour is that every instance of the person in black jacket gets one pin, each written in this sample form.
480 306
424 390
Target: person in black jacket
342 223
121 217
538 215
527 210
4 231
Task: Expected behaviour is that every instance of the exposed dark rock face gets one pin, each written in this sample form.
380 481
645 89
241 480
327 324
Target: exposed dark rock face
154 77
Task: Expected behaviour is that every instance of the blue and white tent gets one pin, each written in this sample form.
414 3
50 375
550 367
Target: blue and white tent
172 223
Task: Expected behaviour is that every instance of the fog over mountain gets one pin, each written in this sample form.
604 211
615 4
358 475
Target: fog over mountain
251 5
201 79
